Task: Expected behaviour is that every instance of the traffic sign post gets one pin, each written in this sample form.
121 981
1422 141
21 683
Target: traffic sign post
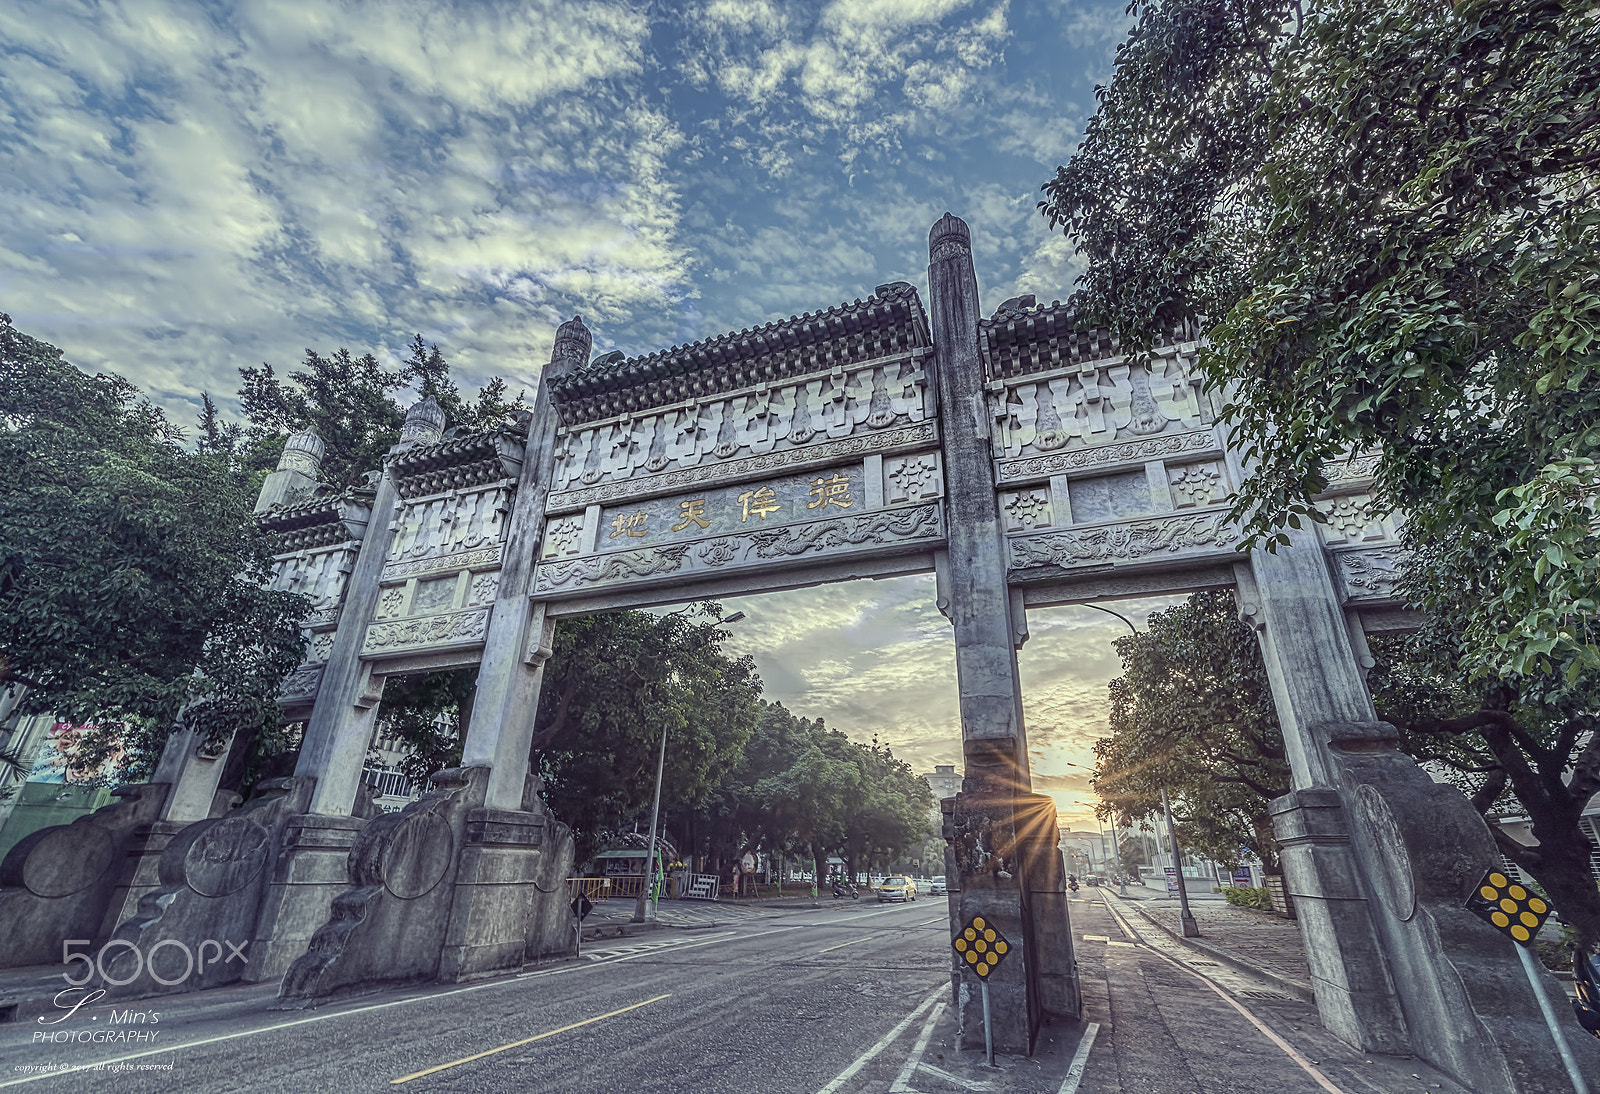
1518 914
983 948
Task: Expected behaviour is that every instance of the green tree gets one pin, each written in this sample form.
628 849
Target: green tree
1386 222
612 682
1193 713
132 577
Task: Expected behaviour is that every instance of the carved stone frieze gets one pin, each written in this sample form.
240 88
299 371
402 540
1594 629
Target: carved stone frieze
844 534
1096 404
1370 574
1129 541
432 630
1164 446
318 573
391 603
464 560
843 402
1355 469
736 469
323 617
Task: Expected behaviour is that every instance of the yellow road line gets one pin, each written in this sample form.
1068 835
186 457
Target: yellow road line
526 1040
842 945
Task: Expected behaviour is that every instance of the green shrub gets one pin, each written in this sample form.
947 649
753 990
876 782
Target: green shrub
1247 898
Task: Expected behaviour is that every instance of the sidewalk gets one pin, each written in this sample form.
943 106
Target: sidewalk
1250 941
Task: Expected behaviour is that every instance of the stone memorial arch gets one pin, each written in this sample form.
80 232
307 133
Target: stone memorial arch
1024 462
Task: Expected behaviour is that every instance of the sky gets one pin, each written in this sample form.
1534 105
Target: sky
195 188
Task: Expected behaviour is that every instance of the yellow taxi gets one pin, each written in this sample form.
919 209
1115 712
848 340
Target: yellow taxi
897 888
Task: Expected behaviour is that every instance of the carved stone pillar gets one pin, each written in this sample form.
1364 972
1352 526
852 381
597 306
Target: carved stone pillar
1380 859
518 641
994 823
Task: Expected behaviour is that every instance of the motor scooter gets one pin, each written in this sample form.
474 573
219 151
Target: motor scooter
1072 882
842 889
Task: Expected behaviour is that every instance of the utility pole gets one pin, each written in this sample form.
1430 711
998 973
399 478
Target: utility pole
1191 929
655 814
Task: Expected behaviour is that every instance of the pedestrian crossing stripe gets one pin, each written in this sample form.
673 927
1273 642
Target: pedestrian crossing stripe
981 947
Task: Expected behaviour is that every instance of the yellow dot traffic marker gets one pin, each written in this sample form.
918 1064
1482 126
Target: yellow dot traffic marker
1508 906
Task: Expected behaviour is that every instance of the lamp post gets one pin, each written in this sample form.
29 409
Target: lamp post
1191 929
655 809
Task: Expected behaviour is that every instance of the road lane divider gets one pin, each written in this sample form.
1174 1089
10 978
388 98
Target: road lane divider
842 945
883 1042
1080 1061
525 1041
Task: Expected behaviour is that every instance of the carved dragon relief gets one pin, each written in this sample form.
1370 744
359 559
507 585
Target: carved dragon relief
431 630
1127 541
877 528
768 420
1370 574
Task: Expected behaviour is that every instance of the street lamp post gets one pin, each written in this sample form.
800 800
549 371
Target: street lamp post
655 809
1191 929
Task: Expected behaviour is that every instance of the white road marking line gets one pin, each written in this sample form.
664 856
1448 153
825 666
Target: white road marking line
899 1086
1305 1065
525 1041
842 945
1080 1060
1097 938
709 940
967 1084
884 1042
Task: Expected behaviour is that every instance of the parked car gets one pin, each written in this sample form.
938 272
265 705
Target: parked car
897 888
936 886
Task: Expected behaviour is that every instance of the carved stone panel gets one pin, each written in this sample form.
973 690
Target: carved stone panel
455 629
1371 574
1025 510
912 478
766 419
1352 520
1110 497
1142 541
1099 404
563 536
434 595
843 534
1197 485
1167 446
446 525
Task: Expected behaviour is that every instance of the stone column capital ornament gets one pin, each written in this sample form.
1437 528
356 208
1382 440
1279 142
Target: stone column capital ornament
303 452
949 238
424 423
572 348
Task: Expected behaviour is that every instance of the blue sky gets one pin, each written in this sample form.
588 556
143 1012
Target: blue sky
193 188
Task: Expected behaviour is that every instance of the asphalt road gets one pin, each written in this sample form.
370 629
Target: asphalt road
785 1004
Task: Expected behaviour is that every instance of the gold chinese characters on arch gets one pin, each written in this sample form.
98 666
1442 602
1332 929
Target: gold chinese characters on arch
744 507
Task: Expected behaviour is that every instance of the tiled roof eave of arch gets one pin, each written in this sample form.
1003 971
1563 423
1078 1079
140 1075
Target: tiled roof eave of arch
843 335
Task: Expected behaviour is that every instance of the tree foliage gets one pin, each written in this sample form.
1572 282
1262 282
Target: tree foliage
1386 221
1192 713
132 577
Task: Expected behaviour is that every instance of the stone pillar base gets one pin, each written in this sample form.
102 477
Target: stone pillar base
59 883
444 890
1003 849
311 870
1355 995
